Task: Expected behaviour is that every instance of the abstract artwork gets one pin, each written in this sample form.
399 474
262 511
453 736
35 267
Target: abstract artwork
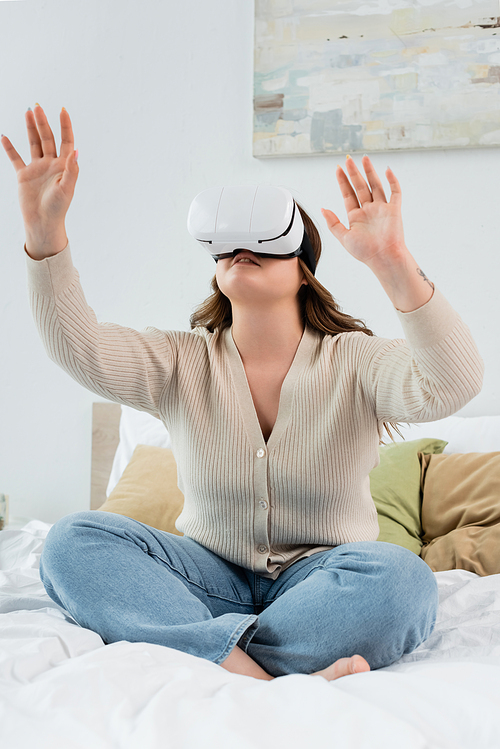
336 76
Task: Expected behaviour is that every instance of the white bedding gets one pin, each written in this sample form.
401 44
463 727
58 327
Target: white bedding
61 687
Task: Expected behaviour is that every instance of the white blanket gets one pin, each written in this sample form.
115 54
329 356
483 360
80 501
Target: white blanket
61 687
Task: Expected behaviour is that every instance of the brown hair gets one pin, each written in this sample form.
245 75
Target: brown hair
319 309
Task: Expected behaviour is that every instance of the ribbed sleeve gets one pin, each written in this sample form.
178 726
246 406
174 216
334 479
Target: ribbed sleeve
115 362
431 374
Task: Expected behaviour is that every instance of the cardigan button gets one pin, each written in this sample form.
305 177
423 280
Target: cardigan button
262 549
260 453
263 504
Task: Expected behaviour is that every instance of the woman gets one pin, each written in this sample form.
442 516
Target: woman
275 416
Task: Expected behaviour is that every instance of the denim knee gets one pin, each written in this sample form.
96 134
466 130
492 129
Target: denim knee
426 588
59 543
401 600
417 586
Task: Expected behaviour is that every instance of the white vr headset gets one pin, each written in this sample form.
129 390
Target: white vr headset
263 219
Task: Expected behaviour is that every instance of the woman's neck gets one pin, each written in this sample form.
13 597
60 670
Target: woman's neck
267 336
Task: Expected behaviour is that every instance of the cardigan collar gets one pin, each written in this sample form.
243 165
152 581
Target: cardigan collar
303 356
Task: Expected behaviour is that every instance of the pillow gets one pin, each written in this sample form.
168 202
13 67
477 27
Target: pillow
395 488
464 434
461 512
136 428
147 490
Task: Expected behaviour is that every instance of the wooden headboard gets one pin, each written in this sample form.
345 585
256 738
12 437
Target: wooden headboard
105 438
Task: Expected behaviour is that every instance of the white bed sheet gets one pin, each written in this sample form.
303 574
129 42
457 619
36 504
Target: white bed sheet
60 686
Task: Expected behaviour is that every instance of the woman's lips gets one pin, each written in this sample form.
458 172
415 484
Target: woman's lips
245 256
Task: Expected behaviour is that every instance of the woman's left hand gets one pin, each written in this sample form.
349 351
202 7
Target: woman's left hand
375 234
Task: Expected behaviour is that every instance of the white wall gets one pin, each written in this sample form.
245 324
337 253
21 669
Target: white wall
160 96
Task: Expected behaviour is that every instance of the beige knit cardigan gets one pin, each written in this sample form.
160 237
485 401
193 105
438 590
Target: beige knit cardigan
264 505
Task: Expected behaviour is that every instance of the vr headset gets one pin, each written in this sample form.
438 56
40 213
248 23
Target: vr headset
263 219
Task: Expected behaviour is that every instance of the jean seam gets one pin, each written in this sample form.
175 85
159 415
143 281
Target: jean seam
247 638
237 634
192 582
315 569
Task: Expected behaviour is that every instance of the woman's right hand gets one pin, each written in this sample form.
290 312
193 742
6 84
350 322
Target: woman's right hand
47 185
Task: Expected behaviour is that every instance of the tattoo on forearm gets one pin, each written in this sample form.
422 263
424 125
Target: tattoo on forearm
421 273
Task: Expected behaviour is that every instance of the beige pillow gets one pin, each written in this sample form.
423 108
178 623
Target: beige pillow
461 512
147 490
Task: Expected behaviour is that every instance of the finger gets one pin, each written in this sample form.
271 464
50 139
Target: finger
396 194
360 185
67 138
70 174
46 135
334 224
11 152
33 136
373 180
350 199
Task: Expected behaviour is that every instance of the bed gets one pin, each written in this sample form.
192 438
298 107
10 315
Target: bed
60 686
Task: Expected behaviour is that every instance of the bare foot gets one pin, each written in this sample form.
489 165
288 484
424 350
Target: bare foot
343 667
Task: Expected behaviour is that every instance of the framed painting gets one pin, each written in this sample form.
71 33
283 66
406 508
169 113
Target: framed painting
349 76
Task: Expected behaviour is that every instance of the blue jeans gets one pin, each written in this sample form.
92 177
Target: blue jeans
128 581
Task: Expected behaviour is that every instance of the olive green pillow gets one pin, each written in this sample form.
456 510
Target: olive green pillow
395 488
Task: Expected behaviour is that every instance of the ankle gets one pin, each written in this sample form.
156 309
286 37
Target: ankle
238 662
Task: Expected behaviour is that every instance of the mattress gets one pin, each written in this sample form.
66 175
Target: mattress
60 686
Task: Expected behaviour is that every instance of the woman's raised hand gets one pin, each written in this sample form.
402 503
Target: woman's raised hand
375 234
46 186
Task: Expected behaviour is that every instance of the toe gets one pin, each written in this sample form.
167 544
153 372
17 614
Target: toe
359 664
342 667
